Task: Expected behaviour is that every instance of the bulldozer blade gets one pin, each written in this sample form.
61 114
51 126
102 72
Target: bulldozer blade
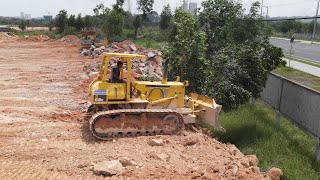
209 110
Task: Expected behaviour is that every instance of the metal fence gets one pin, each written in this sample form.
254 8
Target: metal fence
299 104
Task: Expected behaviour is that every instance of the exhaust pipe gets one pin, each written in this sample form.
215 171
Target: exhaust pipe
165 72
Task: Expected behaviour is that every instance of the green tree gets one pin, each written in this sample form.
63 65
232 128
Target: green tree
28 23
238 52
186 51
137 23
79 24
61 21
310 27
165 17
114 24
51 25
88 22
118 5
23 25
146 6
72 21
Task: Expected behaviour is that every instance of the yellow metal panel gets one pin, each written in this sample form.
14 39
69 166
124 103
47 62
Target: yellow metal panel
114 91
120 55
157 90
128 78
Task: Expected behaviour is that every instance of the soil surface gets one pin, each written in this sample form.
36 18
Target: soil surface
43 134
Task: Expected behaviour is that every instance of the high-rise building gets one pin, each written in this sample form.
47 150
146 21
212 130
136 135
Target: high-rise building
22 15
193 7
185 6
27 16
47 18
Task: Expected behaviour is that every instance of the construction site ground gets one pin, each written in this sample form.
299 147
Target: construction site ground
43 134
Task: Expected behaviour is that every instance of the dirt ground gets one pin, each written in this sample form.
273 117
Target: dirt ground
43 134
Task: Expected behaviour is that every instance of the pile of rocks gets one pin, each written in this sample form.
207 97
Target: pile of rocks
181 157
150 66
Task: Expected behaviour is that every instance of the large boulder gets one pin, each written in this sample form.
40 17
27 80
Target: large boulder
108 168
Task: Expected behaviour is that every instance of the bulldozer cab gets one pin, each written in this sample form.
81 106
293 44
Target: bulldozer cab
115 89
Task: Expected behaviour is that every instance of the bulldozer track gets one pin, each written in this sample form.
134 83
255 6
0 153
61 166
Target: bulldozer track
145 132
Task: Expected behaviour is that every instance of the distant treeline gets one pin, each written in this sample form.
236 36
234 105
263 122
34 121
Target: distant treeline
17 21
294 26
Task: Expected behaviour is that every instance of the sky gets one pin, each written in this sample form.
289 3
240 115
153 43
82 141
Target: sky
38 8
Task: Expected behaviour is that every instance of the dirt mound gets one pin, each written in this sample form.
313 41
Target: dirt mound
177 158
36 38
70 39
7 36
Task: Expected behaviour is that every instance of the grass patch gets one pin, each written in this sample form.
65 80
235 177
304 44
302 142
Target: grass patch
303 61
252 129
299 76
148 43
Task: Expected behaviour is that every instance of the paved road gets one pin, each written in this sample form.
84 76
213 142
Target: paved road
302 50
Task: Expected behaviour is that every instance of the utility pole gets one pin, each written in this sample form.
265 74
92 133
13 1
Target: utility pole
261 7
267 12
315 21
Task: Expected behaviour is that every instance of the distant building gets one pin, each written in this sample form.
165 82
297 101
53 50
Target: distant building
47 18
185 6
193 7
22 15
27 16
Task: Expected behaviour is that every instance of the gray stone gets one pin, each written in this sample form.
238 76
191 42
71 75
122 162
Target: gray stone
44 140
85 52
133 47
84 76
235 171
142 64
108 168
127 162
151 54
156 142
163 157
92 73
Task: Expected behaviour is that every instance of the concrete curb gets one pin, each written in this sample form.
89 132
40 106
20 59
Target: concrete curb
301 41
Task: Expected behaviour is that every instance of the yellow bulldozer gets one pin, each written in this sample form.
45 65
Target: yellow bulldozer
120 109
